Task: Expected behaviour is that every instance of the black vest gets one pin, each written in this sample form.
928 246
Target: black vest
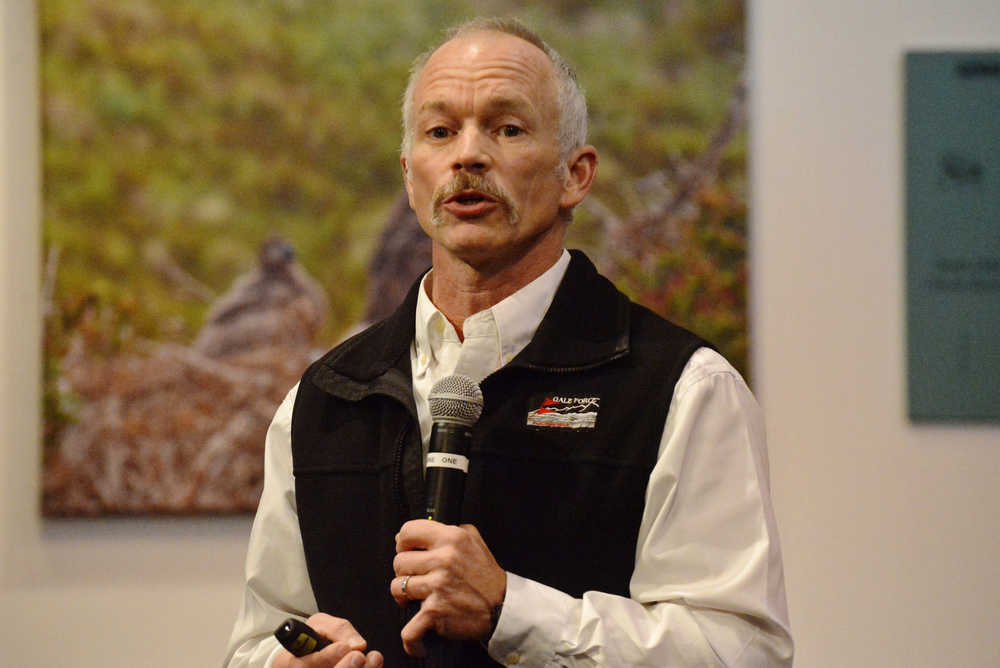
557 499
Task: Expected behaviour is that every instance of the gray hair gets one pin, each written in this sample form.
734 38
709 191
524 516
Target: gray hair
570 98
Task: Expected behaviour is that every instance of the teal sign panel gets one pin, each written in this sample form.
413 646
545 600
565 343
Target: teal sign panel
953 235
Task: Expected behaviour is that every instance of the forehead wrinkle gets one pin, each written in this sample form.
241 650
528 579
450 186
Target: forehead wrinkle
463 60
503 89
493 105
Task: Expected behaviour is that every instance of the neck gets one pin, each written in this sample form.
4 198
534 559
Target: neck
459 289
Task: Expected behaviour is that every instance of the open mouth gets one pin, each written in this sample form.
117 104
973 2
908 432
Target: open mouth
469 198
469 204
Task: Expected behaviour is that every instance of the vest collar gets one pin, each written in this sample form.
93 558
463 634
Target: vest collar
586 325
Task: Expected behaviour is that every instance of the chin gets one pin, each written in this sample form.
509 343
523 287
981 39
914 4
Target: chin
476 253
442 220
474 234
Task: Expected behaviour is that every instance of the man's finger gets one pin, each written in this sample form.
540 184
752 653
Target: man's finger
406 589
337 629
417 535
352 660
412 563
413 634
330 655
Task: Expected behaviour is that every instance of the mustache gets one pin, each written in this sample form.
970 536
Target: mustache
466 181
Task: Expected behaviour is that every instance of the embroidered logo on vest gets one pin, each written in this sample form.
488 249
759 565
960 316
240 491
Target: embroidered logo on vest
557 412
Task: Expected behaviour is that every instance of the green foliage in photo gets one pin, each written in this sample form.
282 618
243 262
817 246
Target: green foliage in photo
181 134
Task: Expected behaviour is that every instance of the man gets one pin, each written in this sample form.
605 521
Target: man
636 531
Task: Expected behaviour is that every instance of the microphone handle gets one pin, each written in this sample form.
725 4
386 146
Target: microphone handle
447 466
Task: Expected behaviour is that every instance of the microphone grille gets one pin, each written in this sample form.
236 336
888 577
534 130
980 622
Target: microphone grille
457 399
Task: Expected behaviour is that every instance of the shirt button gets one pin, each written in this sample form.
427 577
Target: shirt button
512 659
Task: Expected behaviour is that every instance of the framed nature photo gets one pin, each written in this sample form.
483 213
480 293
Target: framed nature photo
223 202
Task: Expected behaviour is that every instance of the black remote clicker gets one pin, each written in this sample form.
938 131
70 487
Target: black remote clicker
299 638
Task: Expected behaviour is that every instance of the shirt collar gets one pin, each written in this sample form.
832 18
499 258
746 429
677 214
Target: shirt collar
494 336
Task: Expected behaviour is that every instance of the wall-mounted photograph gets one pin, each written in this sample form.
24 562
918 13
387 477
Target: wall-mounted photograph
223 202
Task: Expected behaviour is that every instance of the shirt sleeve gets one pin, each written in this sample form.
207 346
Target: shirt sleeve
277 582
708 585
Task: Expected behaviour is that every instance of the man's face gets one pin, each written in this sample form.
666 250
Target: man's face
483 171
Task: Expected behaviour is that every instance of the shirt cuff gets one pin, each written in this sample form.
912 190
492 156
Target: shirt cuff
531 623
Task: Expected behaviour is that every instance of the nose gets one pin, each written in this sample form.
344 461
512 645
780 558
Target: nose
472 151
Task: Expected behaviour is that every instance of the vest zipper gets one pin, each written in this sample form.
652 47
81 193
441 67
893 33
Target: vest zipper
397 474
404 512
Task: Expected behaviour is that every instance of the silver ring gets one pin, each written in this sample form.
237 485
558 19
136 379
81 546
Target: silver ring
402 588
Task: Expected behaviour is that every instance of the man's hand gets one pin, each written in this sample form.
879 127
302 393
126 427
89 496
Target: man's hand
454 575
346 651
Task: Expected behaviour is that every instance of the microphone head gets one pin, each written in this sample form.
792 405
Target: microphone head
456 399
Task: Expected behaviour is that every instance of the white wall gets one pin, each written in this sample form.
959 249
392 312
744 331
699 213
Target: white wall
889 529
136 593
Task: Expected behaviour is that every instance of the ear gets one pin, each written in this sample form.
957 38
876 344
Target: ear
406 179
581 170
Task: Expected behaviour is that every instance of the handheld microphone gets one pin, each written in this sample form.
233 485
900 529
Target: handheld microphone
456 403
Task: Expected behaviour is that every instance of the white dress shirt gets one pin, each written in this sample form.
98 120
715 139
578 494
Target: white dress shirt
708 586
